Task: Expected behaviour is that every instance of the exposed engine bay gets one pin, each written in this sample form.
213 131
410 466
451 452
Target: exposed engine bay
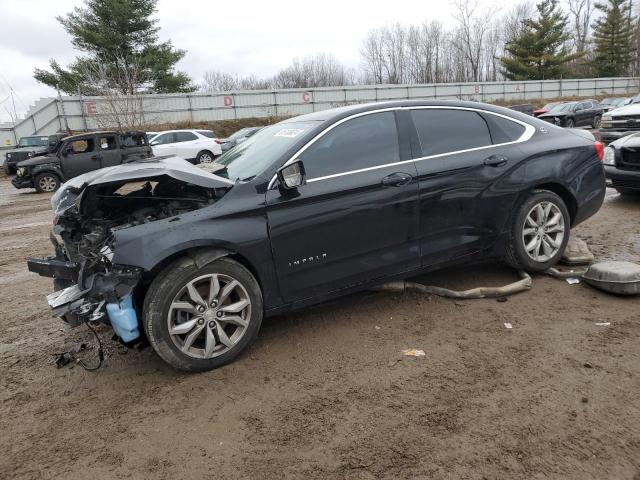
89 287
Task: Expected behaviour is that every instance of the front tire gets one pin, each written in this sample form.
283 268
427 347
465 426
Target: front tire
46 182
200 319
570 123
205 157
539 232
596 122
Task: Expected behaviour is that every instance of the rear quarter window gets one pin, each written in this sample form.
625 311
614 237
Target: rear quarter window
207 133
502 129
448 130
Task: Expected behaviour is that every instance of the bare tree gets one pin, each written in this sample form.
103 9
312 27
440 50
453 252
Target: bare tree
470 35
320 70
581 14
215 81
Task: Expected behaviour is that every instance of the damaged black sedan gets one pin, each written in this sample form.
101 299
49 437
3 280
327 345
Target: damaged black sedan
309 209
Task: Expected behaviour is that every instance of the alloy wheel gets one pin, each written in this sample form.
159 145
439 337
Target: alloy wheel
206 158
47 184
543 231
209 315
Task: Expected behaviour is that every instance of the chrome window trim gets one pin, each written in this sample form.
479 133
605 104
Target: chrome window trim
526 135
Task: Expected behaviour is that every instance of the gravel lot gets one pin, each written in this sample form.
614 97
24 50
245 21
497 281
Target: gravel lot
326 392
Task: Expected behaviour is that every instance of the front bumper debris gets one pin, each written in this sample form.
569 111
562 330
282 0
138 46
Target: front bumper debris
53 267
22 182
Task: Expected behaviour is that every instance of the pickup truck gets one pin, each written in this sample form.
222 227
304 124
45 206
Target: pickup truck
30 147
80 154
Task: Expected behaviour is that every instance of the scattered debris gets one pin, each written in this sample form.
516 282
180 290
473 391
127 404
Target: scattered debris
621 278
501 299
573 281
585 400
587 365
508 325
577 252
377 327
603 324
412 352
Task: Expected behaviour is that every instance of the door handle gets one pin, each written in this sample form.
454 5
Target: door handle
495 161
396 179
96 157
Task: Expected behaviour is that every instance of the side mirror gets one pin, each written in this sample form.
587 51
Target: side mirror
155 142
291 176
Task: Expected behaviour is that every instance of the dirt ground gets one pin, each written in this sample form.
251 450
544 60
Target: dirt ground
326 392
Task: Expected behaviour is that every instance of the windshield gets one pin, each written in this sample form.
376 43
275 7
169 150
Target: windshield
253 156
33 142
549 106
563 107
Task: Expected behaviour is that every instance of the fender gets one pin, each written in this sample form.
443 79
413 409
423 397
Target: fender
48 167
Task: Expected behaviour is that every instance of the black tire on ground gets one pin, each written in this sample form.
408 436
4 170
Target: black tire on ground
164 288
516 255
46 182
205 156
596 121
627 191
570 123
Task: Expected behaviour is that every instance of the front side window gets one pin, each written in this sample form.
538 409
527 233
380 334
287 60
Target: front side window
81 146
185 137
447 130
362 142
163 139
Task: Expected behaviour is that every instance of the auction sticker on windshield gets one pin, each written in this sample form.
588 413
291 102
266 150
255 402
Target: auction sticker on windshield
289 132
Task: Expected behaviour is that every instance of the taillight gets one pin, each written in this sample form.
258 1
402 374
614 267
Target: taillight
218 141
599 150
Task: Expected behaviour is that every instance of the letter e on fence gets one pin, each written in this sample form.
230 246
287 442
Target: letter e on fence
228 101
90 108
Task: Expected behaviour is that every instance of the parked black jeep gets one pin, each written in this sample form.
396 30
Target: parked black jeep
80 154
587 113
30 147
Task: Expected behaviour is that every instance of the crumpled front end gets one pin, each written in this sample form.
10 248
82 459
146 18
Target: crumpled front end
87 214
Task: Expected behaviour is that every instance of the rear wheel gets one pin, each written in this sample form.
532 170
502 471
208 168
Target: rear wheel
200 319
539 232
596 121
205 157
46 182
570 123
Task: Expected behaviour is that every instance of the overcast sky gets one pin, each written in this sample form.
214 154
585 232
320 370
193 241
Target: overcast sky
250 36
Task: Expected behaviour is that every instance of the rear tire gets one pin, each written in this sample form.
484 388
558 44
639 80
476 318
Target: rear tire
46 182
539 232
570 123
198 319
205 157
596 122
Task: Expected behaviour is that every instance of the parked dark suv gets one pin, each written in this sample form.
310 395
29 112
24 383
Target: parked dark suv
622 164
30 147
80 154
587 113
309 209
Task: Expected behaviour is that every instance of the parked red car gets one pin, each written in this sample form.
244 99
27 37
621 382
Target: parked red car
545 109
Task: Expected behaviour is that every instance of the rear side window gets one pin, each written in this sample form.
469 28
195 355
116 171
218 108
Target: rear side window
362 142
207 133
503 130
185 136
445 131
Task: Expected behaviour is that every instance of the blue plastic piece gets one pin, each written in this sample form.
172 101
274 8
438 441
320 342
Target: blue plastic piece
123 319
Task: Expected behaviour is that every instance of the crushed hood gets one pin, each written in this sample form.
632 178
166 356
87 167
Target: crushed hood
38 160
148 169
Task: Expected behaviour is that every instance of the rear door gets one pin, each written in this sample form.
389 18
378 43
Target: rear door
461 153
80 156
110 154
187 145
355 219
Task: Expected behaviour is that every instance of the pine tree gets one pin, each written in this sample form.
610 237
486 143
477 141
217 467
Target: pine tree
121 42
613 38
539 51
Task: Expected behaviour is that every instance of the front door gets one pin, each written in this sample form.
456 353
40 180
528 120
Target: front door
79 156
355 219
461 153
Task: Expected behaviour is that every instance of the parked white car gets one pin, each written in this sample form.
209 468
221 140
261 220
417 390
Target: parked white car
196 146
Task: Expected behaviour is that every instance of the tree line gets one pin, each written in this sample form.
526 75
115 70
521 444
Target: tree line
528 41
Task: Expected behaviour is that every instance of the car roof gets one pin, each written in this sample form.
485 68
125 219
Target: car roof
334 114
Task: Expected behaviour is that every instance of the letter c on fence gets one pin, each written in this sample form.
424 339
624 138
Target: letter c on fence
228 101
306 97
